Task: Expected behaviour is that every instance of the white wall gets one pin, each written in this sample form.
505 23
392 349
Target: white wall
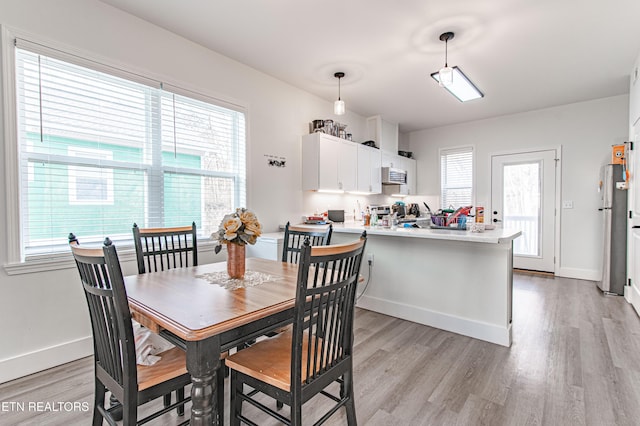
43 316
585 131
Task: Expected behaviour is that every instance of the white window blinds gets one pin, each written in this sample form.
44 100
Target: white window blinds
456 177
99 152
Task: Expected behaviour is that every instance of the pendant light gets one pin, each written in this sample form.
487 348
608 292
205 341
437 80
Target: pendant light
338 106
453 79
446 72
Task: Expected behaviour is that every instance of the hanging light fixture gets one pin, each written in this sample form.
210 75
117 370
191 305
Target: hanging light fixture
446 73
338 106
453 79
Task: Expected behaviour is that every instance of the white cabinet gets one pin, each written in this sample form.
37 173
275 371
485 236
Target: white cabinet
384 133
369 173
328 163
268 246
407 164
411 167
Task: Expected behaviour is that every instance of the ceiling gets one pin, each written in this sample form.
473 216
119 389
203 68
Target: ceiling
524 55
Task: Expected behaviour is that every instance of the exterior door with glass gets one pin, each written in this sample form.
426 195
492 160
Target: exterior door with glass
523 187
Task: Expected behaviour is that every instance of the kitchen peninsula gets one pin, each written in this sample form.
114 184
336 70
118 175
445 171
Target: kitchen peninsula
454 280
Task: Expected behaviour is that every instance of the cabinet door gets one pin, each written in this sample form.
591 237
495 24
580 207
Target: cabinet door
411 167
328 171
369 173
390 160
364 169
375 168
347 156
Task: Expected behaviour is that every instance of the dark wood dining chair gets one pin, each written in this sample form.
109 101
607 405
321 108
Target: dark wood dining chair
114 346
158 249
295 235
316 351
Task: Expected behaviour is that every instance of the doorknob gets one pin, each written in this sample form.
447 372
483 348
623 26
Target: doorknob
496 220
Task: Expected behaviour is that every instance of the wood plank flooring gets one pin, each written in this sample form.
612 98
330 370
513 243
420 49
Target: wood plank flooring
575 360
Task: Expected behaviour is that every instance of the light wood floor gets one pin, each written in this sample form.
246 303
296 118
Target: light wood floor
575 360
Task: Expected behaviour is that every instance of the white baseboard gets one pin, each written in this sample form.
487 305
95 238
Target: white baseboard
633 294
478 330
581 274
32 362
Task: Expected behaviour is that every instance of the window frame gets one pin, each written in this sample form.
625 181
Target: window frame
16 263
453 150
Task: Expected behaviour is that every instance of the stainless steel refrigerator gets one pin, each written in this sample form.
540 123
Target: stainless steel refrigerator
613 206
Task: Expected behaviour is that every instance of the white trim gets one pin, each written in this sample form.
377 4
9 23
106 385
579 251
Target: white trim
479 330
632 294
42 359
558 189
125 70
454 150
12 175
579 273
65 261
8 36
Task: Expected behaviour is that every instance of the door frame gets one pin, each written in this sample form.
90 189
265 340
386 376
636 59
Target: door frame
558 196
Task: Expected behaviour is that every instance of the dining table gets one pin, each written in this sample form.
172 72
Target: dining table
202 310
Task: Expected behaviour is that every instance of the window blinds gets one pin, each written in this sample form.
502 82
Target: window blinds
99 152
456 177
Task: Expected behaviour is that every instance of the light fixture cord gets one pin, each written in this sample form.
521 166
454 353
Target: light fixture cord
339 78
446 53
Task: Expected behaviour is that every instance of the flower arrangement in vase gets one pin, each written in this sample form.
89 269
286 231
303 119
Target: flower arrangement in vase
236 231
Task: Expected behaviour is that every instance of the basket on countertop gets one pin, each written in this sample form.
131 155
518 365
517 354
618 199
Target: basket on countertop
440 220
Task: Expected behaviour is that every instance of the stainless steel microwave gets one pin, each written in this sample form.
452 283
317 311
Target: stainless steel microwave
391 176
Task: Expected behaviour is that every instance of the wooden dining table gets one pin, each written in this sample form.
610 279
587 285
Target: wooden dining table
206 319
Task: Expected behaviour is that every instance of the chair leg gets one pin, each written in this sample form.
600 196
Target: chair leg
117 413
98 401
235 405
279 405
130 414
166 399
296 414
179 397
350 405
220 374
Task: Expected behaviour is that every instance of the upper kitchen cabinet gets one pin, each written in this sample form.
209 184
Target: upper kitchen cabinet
409 165
328 163
384 133
369 170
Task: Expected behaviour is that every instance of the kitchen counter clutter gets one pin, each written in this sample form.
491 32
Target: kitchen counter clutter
494 236
459 281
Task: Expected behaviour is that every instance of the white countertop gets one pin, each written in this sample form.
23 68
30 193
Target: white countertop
494 236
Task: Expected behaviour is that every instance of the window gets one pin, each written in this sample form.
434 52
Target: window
456 177
98 152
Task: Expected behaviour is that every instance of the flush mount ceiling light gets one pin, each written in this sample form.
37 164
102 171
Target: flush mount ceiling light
453 79
338 106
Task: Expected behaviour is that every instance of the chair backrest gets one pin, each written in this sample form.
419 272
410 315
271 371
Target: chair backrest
113 340
158 249
294 237
323 313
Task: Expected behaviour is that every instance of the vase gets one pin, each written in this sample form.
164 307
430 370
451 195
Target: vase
235 260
